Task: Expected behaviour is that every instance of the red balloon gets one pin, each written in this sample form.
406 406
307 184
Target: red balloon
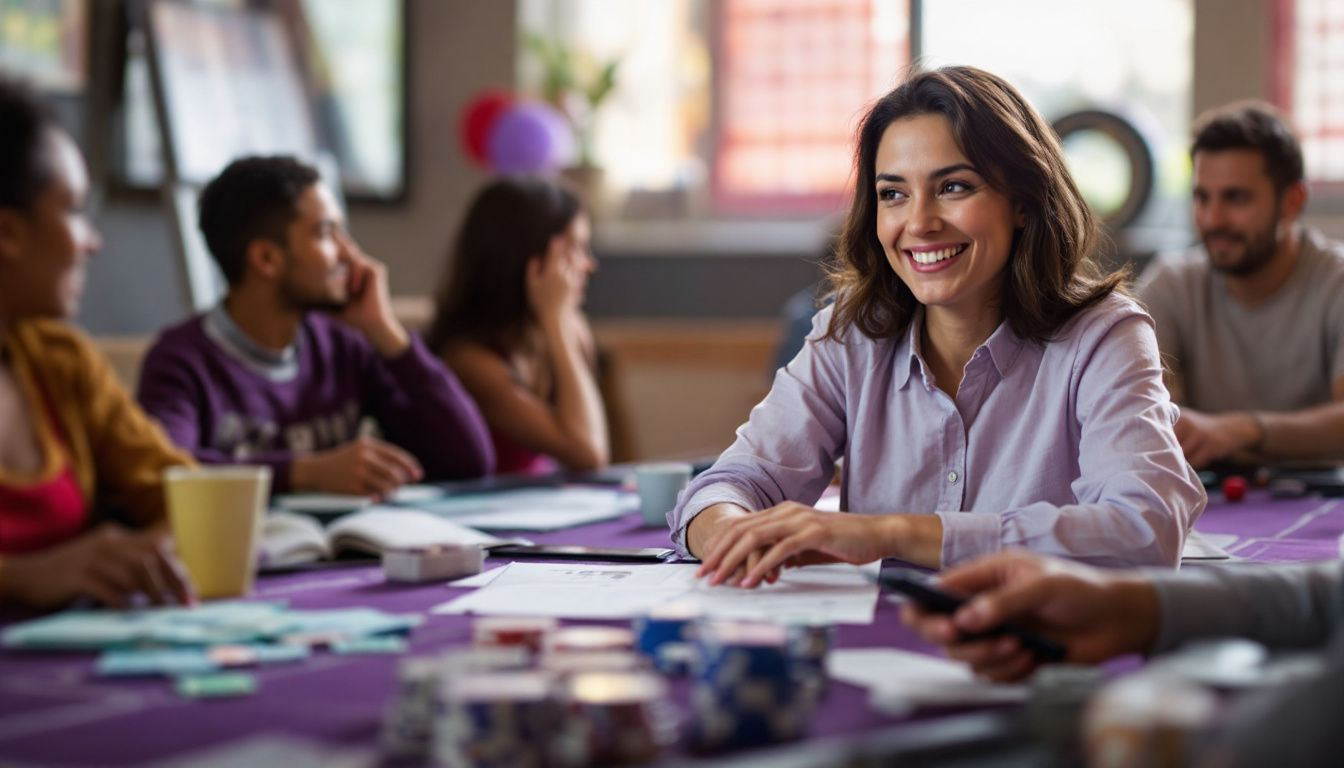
477 120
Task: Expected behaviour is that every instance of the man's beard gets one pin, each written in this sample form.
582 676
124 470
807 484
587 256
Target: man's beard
1260 248
296 297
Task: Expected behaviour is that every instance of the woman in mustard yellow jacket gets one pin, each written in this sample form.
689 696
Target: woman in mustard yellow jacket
75 450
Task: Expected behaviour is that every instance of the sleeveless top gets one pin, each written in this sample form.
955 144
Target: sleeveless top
512 458
38 515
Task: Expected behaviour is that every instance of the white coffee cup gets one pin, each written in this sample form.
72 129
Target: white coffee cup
658 486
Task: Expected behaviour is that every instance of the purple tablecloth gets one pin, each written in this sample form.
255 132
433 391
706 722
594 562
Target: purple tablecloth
1277 530
54 711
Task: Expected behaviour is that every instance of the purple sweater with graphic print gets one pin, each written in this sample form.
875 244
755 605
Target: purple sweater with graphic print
220 398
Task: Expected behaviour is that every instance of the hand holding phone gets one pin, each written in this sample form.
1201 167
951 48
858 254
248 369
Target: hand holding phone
930 597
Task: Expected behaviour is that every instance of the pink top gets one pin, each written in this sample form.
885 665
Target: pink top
35 516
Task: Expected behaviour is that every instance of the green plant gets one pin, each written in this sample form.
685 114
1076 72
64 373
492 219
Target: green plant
575 83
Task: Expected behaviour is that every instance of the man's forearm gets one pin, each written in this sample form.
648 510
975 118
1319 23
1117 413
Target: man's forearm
1312 433
1280 606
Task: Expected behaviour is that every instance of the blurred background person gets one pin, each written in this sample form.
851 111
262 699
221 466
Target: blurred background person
74 447
509 321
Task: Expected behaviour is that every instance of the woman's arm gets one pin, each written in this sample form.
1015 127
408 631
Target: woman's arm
515 412
1136 496
786 451
578 402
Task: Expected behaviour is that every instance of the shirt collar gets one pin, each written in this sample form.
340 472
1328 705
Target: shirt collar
1003 347
277 367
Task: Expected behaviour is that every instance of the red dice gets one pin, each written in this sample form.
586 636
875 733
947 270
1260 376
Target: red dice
1234 488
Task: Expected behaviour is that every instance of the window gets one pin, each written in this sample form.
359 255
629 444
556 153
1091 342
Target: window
234 85
1132 58
1310 81
730 108
794 79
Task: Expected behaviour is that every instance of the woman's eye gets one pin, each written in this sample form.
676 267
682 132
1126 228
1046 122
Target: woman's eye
956 186
888 194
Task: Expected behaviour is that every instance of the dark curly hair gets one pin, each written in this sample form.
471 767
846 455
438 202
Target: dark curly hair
24 122
1051 274
254 197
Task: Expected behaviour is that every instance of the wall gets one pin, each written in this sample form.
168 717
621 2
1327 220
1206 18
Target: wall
457 48
1234 60
681 400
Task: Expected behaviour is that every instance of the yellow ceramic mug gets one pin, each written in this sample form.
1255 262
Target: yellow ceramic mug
216 516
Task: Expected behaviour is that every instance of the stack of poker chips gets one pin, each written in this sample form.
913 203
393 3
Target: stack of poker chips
530 633
809 645
490 719
589 640
409 726
663 634
747 690
617 718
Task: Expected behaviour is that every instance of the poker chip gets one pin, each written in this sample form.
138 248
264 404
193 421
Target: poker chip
507 631
498 719
617 718
565 663
809 645
675 658
408 724
662 625
590 638
747 690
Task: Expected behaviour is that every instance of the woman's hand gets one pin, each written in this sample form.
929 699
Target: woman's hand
790 534
108 564
1096 614
554 282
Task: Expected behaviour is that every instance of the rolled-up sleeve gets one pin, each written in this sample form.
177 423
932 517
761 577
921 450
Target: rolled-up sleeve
788 447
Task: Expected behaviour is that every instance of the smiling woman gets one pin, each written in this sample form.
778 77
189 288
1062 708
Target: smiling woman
985 386
73 442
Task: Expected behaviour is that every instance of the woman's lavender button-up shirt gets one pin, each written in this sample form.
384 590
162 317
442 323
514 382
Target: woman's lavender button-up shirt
1065 448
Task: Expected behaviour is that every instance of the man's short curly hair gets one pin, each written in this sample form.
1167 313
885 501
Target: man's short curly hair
255 197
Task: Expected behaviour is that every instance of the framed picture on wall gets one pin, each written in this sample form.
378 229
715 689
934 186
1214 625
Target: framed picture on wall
46 43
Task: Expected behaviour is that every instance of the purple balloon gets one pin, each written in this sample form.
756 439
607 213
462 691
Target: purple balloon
529 137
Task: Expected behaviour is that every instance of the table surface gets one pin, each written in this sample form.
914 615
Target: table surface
53 710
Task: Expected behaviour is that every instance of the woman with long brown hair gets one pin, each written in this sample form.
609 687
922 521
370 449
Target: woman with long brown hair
984 384
509 321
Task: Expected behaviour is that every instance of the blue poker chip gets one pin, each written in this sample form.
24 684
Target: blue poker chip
498 719
747 689
662 625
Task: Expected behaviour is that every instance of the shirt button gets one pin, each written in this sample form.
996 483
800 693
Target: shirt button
952 477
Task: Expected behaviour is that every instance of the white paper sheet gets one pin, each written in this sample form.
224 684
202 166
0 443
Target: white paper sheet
839 594
535 509
899 681
1207 546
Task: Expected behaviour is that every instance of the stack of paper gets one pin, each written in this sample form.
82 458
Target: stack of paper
828 594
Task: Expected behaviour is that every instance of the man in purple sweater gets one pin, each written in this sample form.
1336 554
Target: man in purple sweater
304 351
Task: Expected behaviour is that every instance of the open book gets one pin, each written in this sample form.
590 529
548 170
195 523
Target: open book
291 539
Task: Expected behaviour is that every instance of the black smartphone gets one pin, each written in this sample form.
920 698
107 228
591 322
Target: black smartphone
598 554
925 591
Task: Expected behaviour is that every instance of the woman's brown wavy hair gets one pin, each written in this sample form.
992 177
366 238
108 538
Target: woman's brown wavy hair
1051 274
483 295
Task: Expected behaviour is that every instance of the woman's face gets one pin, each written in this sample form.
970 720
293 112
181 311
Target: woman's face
44 251
945 231
578 248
